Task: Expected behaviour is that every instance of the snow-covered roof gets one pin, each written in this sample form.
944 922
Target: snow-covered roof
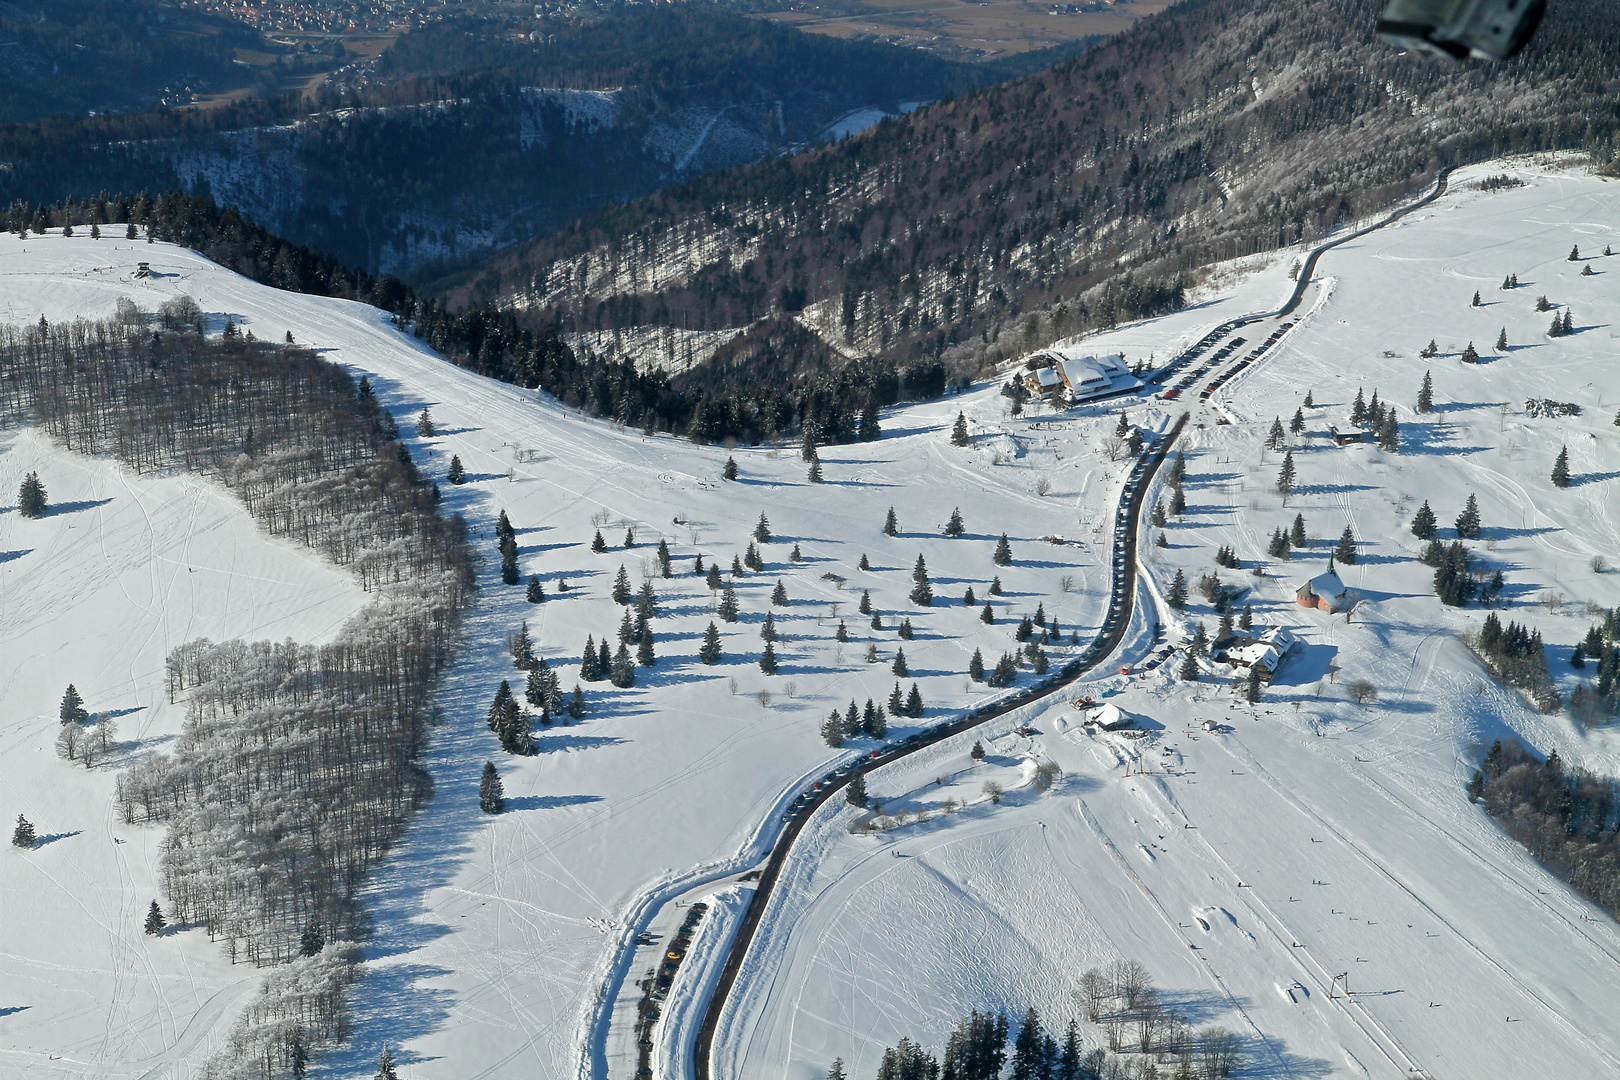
1326 585
1258 654
1045 376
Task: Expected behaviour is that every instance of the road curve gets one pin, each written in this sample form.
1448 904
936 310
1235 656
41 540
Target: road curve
1113 631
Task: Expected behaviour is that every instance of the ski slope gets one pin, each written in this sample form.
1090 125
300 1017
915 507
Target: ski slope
495 936
1312 837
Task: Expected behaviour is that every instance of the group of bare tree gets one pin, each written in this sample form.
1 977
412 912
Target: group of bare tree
1122 999
297 767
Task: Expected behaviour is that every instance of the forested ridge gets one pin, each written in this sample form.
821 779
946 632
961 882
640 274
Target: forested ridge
296 770
444 150
1004 217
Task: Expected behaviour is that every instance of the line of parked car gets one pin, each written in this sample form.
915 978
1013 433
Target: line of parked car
1258 351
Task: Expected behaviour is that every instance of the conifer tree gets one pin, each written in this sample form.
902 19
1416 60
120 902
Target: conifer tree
897 701
906 632
1501 341
621 586
1296 534
954 526
767 660
877 624
623 670
1177 597
23 835
129 231
1575 253
865 606
832 730
968 599
1475 302
730 471
385 1065
697 564
155 922
1275 437
795 555
1285 476
995 585
72 710
713 580
709 652
1428 351
1178 470
424 425
914 702
1003 555
752 558
1507 283
959 432
576 703
644 648
1560 469
1358 410
497 708
491 793
1297 424
988 615
1178 502
31 500
1424 525
457 474
900 663
1346 551
1310 401
1251 689
1122 428
598 544
1425 398
522 648
1278 548
664 566
762 530
1246 620
767 629
1157 518
1389 434
779 595
863 564
1470 355
1468 523
976 666
1569 323
587 665
891 526
630 537
854 795
922 593
807 448
977 753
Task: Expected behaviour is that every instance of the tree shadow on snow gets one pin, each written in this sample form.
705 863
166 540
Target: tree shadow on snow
392 1004
556 742
1582 479
8 1010
8 556
51 838
75 507
547 802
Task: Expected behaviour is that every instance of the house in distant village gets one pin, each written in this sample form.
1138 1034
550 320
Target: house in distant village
1324 591
1077 380
1263 650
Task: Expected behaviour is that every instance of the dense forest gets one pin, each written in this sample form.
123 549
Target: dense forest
1004 217
296 769
70 56
1565 818
458 143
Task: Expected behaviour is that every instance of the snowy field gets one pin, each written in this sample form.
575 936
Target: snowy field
495 935
1313 836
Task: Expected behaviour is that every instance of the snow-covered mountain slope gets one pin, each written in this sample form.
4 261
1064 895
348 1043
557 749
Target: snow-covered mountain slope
494 934
124 568
1313 836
